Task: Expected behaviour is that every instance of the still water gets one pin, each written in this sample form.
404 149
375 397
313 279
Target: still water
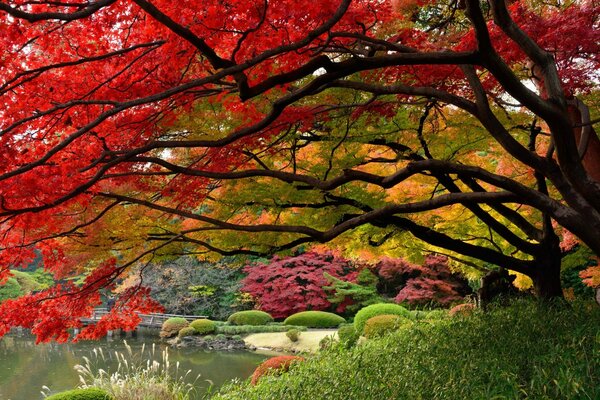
25 367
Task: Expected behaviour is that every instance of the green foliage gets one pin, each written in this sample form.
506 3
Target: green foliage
203 326
250 317
572 264
293 335
362 293
187 286
202 291
377 309
172 326
348 335
525 351
10 290
247 329
381 325
81 394
188 331
315 319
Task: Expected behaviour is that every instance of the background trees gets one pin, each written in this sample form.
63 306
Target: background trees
134 129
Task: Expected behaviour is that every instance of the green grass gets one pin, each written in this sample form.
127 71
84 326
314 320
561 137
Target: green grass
525 351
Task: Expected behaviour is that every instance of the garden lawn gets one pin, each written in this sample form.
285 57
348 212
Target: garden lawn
308 341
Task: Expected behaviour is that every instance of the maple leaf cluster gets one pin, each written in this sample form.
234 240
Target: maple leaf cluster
431 283
285 286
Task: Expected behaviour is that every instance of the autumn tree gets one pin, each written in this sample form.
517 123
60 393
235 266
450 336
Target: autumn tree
135 129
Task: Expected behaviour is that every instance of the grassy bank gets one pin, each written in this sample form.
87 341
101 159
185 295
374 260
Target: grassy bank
523 351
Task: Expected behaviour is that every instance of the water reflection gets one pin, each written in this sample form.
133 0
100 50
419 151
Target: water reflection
26 367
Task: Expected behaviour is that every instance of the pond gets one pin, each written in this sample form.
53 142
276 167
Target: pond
25 367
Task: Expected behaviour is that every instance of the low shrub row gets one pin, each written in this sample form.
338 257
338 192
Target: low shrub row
81 394
247 329
525 351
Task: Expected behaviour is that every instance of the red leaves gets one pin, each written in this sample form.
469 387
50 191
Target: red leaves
293 284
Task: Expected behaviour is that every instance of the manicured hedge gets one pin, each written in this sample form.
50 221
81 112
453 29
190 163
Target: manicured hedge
172 326
315 319
203 326
374 310
250 317
81 394
525 351
247 329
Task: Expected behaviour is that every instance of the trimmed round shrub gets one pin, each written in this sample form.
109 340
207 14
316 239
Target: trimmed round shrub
315 319
250 317
274 366
203 326
348 335
381 325
208 337
81 394
462 310
374 310
293 335
220 336
172 326
189 331
236 337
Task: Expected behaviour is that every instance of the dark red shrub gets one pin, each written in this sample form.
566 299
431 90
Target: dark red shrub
289 285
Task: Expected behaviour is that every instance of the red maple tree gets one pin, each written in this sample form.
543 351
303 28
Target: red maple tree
288 285
94 97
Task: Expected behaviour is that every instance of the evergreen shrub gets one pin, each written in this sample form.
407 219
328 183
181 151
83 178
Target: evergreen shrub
248 329
293 335
250 317
172 326
188 331
315 319
81 394
381 325
203 326
374 310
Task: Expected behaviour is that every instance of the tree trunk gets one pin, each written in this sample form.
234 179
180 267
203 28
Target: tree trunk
546 278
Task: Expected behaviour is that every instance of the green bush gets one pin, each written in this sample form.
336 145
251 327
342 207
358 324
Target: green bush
187 331
374 310
315 319
236 337
293 335
525 351
81 394
348 335
203 326
172 326
248 329
250 317
208 337
380 325
220 336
